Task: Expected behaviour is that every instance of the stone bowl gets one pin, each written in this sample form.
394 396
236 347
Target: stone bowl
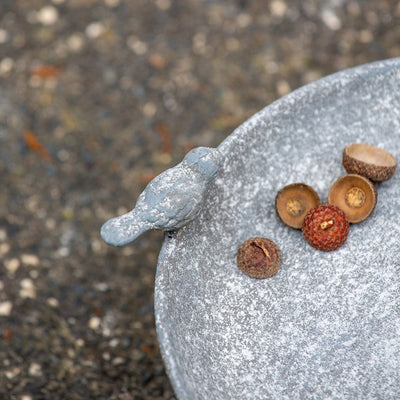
327 325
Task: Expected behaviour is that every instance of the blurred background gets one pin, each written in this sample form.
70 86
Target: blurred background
97 97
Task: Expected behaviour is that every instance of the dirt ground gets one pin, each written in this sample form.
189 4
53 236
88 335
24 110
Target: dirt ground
96 98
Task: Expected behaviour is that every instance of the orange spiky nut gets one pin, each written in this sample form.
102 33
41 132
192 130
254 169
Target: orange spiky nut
326 227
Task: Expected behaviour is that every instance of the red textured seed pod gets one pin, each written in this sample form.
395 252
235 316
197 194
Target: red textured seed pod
326 227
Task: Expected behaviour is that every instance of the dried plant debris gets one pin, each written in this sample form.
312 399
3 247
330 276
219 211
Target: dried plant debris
259 257
293 202
355 195
372 162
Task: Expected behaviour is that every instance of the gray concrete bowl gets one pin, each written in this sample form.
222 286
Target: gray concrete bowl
327 325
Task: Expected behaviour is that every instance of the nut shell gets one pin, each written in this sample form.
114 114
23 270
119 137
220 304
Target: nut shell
259 257
372 162
293 202
326 227
355 195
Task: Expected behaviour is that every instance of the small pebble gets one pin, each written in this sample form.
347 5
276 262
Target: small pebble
94 30
149 109
3 235
26 397
109 76
12 265
71 353
136 45
47 15
282 87
163 4
52 302
75 42
63 155
94 322
128 251
12 373
63 252
28 289
101 286
5 308
157 61
35 81
112 3
97 246
34 274
138 325
3 36
243 20
331 20
30 260
35 369
232 44
118 361
4 248
366 36
199 43
278 8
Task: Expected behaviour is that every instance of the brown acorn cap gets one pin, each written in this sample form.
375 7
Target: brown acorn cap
294 201
369 161
355 195
259 257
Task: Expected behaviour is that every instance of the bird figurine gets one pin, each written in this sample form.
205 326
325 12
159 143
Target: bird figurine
170 201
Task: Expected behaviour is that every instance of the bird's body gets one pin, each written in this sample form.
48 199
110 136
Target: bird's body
170 200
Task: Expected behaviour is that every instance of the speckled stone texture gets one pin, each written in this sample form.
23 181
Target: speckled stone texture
326 325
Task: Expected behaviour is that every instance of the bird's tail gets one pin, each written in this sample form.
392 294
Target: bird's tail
124 229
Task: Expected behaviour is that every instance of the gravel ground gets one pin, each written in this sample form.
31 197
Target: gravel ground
96 98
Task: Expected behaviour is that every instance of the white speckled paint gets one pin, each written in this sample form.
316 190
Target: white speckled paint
327 325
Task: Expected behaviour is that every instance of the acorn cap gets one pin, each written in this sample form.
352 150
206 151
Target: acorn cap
355 195
294 201
369 161
259 257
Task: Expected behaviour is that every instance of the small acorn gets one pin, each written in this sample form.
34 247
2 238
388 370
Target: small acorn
326 227
372 162
259 257
355 195
293 202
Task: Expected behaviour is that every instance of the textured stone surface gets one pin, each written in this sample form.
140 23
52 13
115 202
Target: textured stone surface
326 325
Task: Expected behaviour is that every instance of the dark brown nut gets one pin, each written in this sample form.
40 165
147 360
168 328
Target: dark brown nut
326 227
259 257
355 195
372 162
293 202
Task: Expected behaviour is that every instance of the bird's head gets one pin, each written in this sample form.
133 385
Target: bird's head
205 160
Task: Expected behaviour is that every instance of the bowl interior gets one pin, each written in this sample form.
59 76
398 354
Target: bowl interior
326 324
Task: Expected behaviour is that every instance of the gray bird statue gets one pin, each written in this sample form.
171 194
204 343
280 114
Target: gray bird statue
170 201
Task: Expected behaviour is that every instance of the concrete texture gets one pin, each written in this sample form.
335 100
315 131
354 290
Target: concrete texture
327 324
